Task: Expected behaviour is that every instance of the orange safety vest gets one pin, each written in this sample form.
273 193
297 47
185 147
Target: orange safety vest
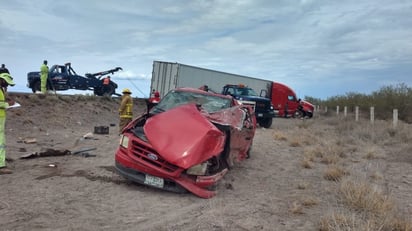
126 107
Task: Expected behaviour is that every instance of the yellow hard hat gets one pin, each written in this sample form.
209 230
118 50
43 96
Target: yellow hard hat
126 91
7 77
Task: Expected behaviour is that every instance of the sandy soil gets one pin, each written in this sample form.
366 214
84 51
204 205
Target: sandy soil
265 192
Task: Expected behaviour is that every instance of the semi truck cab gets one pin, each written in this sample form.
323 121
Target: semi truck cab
263 107
286 104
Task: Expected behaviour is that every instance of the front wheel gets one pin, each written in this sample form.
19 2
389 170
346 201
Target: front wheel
248 152
266 123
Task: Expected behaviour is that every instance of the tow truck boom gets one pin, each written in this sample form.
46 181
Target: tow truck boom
102 73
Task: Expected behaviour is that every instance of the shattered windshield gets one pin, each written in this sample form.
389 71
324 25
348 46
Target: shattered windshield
245 91
209 103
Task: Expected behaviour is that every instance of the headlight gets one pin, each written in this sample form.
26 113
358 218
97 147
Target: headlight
198 170
124 141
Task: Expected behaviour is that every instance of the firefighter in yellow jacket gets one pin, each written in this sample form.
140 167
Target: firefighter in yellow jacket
125 109
5 81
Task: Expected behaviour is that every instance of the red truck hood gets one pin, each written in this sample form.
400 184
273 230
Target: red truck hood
307 105
184 136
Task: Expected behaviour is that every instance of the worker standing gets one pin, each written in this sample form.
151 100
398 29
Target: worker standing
106 82
153 101
5 80
44 72
125 109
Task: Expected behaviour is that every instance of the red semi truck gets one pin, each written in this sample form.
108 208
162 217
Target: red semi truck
286 104
168 75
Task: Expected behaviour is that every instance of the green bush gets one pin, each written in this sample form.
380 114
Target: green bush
384 101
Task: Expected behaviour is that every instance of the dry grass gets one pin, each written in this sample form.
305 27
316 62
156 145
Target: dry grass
295 143
303 185
330 159
372 153
296 208
338 221
362 196
377 176
279 136
305 124
362 204
307 163
398 224
342 221
310 201
334 173
310 153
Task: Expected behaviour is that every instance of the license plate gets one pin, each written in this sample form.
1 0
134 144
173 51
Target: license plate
154 181
260 115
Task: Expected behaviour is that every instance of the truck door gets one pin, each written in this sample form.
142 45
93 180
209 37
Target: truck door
228 91
58 77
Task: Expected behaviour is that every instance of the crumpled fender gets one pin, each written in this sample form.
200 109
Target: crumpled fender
183 136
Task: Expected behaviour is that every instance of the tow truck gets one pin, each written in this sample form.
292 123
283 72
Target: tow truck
63 77
263 107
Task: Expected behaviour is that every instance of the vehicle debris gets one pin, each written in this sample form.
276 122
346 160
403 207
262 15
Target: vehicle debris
54 152
27 140
101 130
48 152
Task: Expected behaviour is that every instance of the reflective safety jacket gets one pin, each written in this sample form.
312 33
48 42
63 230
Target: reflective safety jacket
126 107
44 70
3 104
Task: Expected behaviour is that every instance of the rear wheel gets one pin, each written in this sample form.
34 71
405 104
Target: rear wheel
36 87
105 90
109 90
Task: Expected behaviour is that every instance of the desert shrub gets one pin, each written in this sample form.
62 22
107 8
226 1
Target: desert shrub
303 185
334 173
362 196
296 208
307 163
279 136
339 221
310 153
383 100
295 143
309 201
367 208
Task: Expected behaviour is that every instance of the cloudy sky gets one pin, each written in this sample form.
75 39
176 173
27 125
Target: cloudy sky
320 48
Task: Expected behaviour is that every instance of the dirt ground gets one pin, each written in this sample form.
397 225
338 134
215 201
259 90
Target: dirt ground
269 191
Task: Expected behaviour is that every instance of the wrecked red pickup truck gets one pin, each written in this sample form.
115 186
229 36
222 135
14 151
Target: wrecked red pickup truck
187 142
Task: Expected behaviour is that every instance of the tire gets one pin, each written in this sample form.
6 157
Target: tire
248 152
36 87
108 91
98 91
266 123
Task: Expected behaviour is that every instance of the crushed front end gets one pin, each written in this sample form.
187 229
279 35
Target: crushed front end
176 150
